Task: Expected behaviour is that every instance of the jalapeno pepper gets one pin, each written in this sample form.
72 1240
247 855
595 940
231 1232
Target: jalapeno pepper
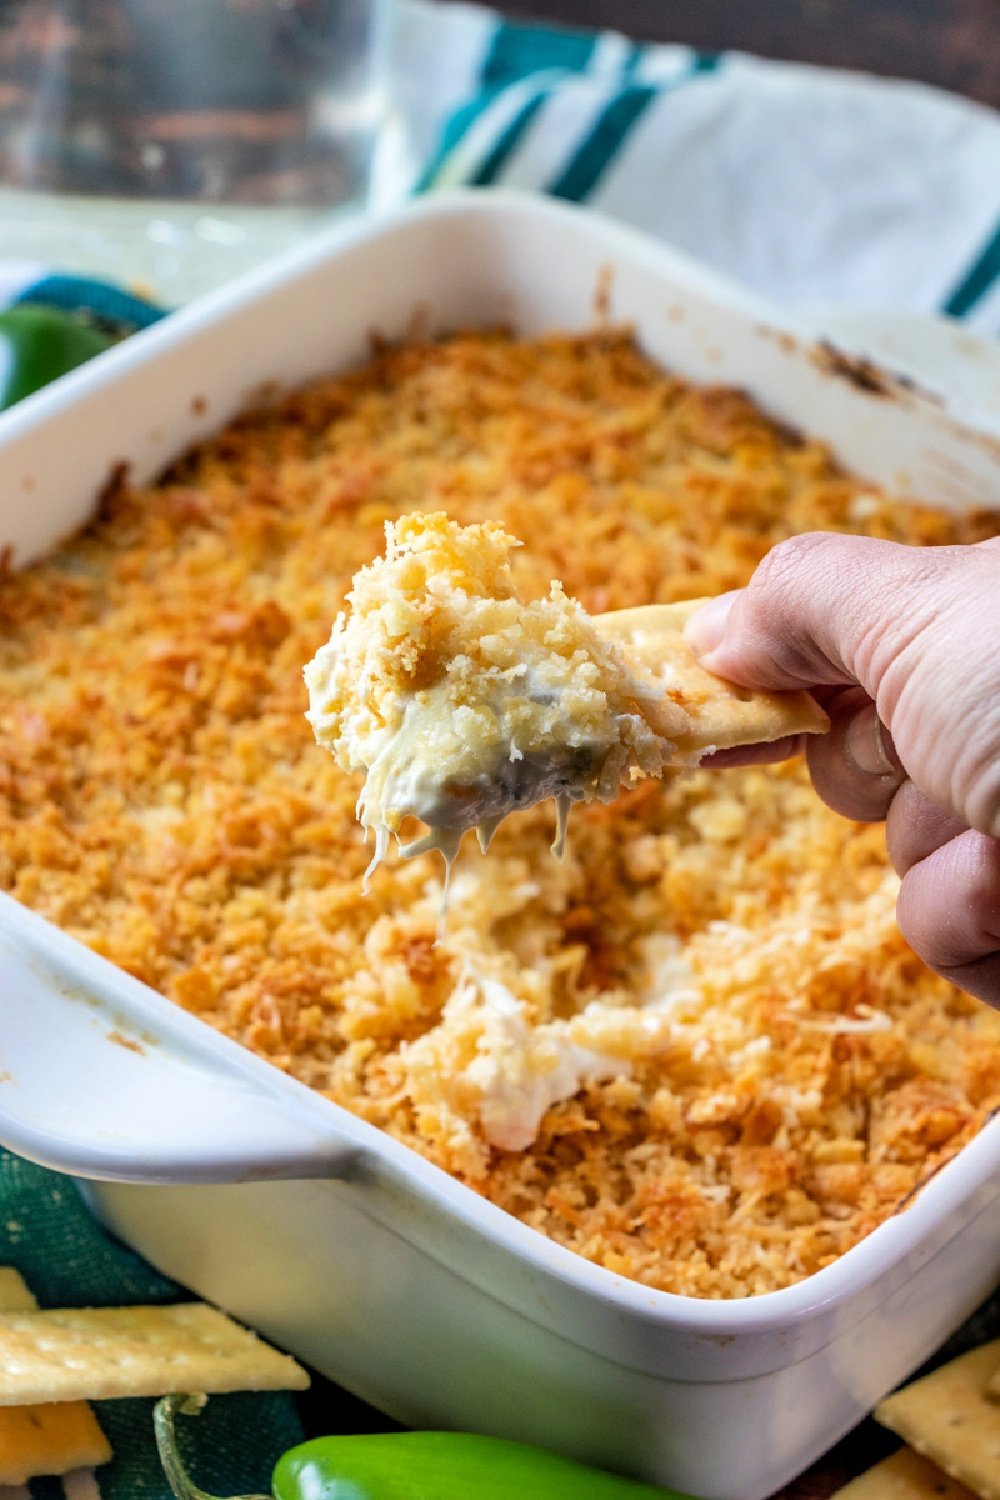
412 1466
37 344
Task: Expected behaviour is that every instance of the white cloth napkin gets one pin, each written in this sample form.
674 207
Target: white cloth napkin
808 185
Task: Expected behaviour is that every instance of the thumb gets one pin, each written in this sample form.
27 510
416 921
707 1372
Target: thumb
914 627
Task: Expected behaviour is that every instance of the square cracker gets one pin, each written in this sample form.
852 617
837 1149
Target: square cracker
97 1353
14 1294
948 1417
51 1439
695 709
904 1475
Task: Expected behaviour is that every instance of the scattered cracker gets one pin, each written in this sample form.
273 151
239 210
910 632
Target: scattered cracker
98 1353
14 1294
948 1417
904 1475
49 1439
718 714
53 1438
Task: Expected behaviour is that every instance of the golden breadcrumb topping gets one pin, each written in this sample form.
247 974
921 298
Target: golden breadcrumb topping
763 1071
461 703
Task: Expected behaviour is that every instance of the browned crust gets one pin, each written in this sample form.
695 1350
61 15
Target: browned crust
161 799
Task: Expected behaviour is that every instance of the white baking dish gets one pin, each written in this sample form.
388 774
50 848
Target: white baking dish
381 1270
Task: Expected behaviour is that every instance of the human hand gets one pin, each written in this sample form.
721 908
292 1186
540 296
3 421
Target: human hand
901 645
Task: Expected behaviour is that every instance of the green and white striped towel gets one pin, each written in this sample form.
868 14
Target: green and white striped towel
810 186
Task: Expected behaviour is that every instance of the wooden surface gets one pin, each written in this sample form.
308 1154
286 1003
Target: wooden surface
952 43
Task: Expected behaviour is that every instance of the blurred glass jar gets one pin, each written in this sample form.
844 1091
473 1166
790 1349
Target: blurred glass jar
177 141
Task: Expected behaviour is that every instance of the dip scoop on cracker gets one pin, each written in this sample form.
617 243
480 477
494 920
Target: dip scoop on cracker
463 702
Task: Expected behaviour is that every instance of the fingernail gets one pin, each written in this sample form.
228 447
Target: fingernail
868 747
705 630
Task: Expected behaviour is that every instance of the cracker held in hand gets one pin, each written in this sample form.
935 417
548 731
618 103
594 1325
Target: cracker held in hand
100 1353
53 1438
462 701
714 714
948 1417
904 1475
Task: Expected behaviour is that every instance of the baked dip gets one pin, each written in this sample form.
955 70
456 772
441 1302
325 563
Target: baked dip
696 1050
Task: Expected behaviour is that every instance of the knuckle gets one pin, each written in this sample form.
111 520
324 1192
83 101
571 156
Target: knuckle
783 569
948 908
975 775
855 794
779 605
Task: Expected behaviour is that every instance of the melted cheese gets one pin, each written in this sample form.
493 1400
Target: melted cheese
462 703
508 1071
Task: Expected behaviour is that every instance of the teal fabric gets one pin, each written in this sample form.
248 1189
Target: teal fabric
596 153
519 48
521 51
516 52
977 281
48 1234
507 143
108 305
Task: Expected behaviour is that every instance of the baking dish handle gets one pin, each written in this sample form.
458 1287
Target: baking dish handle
101 1078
